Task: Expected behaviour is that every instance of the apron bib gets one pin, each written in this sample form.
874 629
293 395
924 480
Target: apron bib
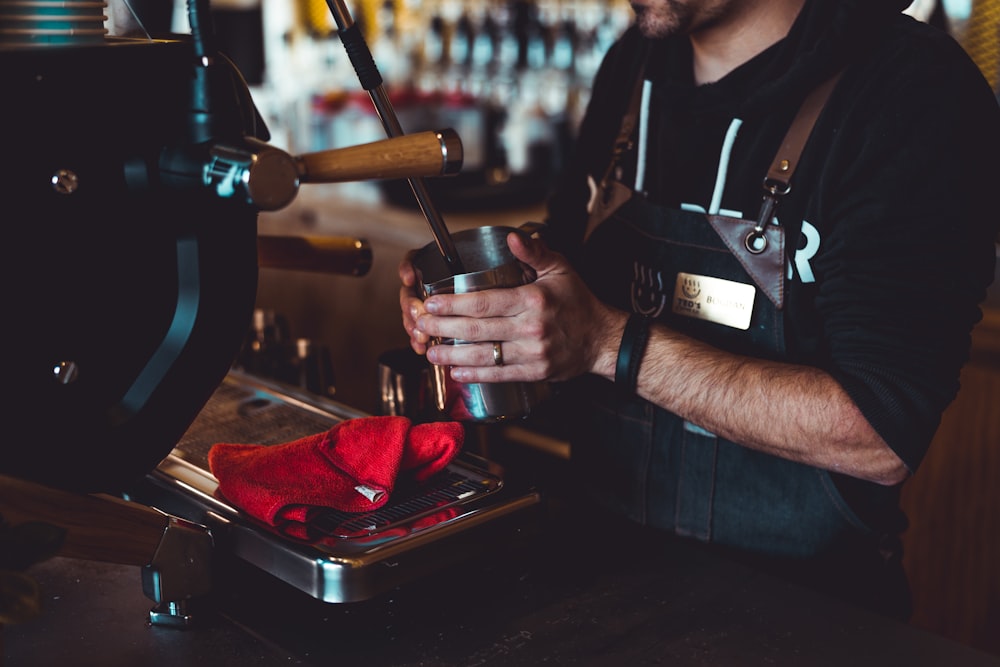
713 278
655 467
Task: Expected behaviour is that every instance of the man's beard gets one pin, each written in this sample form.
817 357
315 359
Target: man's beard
662 19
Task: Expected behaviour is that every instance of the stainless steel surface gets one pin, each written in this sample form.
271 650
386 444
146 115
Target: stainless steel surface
490 265
422 529
404 384
180 570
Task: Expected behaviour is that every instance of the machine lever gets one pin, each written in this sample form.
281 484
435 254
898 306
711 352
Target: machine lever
175 554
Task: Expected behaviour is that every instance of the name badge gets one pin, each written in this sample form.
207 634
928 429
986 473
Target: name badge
714 299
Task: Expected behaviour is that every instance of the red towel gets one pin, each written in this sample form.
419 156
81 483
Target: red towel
352 467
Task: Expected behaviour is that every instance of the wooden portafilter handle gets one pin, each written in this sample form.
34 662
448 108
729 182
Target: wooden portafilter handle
322 254
430 153
271 177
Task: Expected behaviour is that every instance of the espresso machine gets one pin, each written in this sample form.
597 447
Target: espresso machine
134 173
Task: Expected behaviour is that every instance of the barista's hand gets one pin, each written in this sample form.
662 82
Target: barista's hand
410 304
552 329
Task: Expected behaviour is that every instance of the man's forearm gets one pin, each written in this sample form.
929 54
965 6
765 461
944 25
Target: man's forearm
796 412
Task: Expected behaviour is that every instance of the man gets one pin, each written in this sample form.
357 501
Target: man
758 359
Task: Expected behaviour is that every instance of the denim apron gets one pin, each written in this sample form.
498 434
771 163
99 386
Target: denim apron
658 469
652 466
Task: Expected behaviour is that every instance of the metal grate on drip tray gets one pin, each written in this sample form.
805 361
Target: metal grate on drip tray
433 495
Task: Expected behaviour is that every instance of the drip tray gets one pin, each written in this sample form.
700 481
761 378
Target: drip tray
467 508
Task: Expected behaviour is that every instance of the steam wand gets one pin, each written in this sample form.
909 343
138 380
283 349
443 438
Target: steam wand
226 147
371 80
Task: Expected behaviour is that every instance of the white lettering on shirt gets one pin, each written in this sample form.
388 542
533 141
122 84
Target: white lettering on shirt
804 254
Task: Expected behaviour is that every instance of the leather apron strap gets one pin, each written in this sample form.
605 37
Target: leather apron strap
759 245
787 158
747 240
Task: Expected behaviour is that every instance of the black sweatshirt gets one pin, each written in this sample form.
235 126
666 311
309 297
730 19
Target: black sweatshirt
891 215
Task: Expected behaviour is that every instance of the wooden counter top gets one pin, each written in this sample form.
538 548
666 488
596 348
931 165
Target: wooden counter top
580 595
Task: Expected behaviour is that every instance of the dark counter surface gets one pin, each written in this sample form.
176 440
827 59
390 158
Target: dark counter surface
602 595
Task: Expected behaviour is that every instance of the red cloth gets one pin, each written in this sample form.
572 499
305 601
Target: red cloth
352 467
